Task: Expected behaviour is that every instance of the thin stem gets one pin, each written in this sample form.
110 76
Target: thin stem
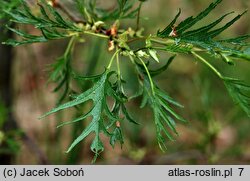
70 45
118 66
149 76
135 39
165 42
131 59
170 42
112 59
119 72
96 34
208 64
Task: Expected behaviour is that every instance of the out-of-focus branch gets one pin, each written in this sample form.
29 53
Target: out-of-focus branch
61 6
34 148
5 88
6 96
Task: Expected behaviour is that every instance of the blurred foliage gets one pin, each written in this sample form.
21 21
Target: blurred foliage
3 114
7 6
8 139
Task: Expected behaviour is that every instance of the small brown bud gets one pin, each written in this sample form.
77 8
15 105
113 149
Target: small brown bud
55 3
113 31
118 124
173 33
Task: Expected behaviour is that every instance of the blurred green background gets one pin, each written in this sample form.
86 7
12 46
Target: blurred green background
217 131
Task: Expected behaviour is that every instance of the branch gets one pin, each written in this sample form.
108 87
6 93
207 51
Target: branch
59 5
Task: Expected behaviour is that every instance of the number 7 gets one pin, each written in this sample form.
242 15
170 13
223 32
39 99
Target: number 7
241 170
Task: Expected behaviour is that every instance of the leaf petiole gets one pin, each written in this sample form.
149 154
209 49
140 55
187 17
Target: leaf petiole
70 45
208 64
149 76
112 59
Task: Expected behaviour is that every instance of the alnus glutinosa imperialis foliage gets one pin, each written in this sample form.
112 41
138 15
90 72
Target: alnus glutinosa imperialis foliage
109 113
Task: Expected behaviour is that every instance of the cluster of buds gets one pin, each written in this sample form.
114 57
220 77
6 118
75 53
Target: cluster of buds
112 33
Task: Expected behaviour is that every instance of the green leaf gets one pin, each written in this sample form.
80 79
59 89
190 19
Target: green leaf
59 20
202 30
203 37
216 32
163 113
239 91
165 97
98 94
237 41
165 33
35 39
163 68
116 136
159 70
93 93
127 115
7 6
51 23
153 54
91 77
61 72
124 10
80 4
179 48
163 118
189 22
245 54
119 107
227 59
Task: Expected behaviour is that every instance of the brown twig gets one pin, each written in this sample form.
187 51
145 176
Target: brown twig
41 157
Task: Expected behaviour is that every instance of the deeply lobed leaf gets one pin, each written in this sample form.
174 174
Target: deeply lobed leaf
203 37
160 102
98 93
240 93
49 23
